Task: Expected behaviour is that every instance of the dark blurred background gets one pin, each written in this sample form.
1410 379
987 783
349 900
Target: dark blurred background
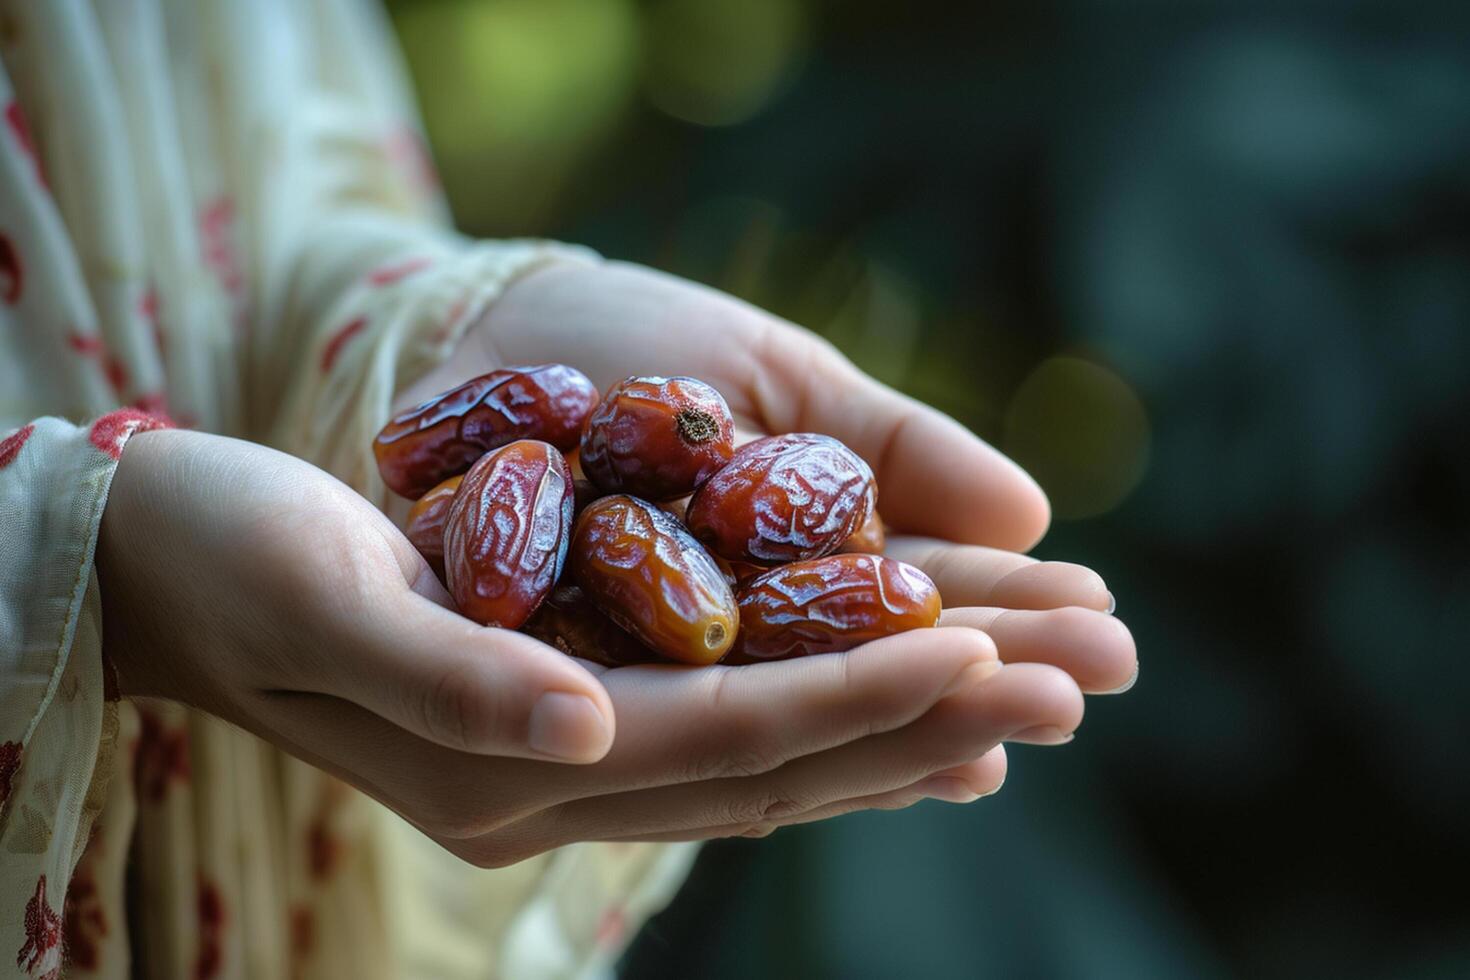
1203 268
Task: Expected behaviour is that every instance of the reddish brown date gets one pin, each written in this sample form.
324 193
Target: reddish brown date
641 568
425 526
570 622
783 498
657 438
868 539
831 604
446 434
505 539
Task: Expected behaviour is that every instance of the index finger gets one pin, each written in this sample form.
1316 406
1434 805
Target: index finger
935 477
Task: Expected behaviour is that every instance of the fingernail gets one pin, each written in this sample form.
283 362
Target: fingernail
1043 735
1112 604
969 676
1127 685
567 726
948 789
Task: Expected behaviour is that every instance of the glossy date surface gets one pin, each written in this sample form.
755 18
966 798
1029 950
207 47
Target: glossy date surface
832 604
569 621
868 539
643 569
657 438
782 499
444 435
425 525
506 535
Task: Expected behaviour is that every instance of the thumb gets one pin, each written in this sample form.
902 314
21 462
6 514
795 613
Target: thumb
474 688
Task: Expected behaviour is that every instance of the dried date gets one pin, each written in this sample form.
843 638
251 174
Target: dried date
506 536
569 621
425 526
831 604
642 568
657 438
444 435
783 498
868 539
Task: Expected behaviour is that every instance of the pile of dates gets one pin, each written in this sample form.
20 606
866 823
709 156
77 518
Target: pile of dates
628 528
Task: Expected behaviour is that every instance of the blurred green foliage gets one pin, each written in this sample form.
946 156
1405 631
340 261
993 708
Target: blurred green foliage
1204 269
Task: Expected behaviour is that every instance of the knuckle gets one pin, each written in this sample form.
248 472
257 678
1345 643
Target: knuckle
733 763
445 706
763 807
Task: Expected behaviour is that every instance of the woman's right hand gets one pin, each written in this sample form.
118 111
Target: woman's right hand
252 585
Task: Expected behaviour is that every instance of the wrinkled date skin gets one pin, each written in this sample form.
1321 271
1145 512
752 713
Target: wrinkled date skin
641 568
831 604
783 498
657 438
569 621
425 526
444 435
506 536
868 539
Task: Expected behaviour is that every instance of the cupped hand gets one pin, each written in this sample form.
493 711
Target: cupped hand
251 585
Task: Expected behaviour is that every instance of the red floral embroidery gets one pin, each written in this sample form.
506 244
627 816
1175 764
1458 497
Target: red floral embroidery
323 849
9 449
211 910
611 928
91 345
303 933
334 346
12 276
83 343
216 227
112 430
388 274
84 920
162 756
43 933
15 118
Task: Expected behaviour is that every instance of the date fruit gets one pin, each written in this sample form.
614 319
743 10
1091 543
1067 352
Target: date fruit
640 567
425 526
444 435
783 498
506 536
569 621
868 539
657 438
831 604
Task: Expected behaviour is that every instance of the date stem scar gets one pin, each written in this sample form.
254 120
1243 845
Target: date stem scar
714 635
697 426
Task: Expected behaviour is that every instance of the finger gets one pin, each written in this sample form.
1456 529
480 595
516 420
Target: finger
674 725
446 679
1095 648
934 476
961 784
968 575
1019 702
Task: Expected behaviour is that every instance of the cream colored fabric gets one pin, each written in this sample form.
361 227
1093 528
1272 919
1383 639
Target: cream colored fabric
223 211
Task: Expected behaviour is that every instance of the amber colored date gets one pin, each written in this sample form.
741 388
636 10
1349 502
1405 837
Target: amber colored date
783 498
641 568
446 434
569 621
657 438
831 604
425 526
868 539
505 539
